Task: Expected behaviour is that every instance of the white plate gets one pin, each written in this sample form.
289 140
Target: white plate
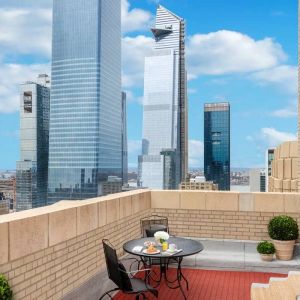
146 252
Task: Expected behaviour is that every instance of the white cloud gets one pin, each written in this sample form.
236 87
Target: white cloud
275 137
269 137
11 76
288 112
25 31
196 153
135 19
284 77
134 51
227 52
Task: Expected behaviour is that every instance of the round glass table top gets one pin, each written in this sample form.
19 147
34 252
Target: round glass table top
187 246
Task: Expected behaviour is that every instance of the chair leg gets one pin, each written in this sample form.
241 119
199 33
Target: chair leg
108 293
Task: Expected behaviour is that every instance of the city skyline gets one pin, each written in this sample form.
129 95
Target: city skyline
263 105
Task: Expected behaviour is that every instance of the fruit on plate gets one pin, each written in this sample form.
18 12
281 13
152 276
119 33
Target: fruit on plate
151 249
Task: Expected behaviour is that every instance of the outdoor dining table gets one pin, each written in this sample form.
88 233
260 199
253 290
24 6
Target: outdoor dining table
186 246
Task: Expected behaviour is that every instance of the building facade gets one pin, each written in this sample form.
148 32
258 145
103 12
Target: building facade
257 180
217 144
284 174
165 105
124 140
85 145
268 164
32 169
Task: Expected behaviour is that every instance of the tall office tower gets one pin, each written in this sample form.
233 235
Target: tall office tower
32 169
268 165
217 144
165 106
85 142
124 141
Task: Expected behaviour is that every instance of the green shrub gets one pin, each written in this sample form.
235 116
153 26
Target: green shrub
265 248
283 228
5 291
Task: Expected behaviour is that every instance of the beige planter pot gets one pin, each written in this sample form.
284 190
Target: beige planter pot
267 257
284 249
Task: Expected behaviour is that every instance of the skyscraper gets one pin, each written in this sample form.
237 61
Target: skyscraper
124 140
85 145
217 144
268 165
32 169
165 106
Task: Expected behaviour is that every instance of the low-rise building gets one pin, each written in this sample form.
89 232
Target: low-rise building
111 186
195 184
8 191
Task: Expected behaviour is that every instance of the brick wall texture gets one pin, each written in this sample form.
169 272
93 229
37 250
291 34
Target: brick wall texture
55 271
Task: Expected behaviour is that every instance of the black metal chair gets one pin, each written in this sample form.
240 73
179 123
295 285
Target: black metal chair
152 224
124 282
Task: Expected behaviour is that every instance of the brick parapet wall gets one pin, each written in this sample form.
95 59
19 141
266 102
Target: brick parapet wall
47 252
219 224
54 271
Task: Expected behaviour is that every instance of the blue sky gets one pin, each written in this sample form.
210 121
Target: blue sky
244 52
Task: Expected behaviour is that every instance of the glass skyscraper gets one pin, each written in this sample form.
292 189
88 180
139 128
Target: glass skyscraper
165 106
217 144
32 169
85 145
124 140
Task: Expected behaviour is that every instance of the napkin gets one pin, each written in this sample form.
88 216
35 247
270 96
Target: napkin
173 252
137 249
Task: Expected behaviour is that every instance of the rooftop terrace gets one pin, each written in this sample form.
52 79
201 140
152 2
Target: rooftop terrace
55 252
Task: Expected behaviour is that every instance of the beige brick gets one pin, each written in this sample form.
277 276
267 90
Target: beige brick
285 150
112 210
87 218
192 200
277 183
62 226
286 184
280 170
292 203
246 202
287 168
28 235
3 243
102 213
125 207
295 164
269 202
294 149
165 199
223 201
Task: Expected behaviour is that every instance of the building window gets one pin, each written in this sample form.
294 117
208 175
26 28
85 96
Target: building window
27 98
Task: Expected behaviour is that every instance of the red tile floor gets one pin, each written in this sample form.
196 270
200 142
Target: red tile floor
210 285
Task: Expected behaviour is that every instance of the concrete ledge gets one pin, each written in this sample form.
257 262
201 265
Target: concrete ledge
27 236
4 243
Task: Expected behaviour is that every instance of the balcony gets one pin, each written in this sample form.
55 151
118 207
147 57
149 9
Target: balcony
55 252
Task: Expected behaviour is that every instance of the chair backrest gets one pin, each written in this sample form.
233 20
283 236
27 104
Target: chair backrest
151 224
115 269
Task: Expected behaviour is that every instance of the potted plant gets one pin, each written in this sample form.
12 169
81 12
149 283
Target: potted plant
5 290
284 231
266 250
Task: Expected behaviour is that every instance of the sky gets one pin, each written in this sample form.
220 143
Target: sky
243 52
